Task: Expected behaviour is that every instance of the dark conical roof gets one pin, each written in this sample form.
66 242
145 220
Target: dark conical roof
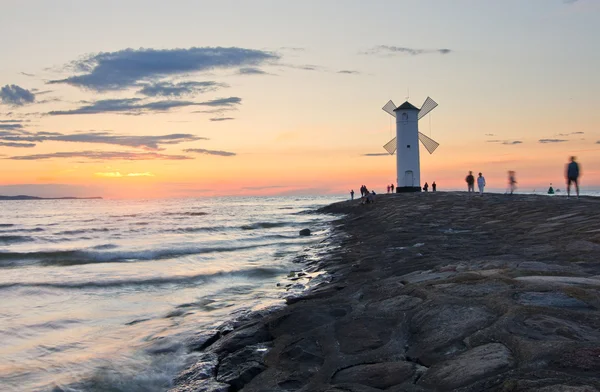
406 106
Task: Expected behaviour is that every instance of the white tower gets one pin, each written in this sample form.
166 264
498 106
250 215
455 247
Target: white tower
406 143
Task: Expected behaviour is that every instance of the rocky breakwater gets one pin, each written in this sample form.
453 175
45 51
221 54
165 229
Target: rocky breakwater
432 292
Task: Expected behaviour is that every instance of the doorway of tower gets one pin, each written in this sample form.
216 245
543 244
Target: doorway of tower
409 178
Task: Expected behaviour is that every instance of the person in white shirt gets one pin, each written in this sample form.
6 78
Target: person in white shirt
481 183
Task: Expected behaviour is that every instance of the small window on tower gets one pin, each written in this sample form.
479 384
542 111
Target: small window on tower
408 146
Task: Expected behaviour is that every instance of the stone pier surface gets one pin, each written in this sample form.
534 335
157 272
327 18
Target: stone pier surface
431 292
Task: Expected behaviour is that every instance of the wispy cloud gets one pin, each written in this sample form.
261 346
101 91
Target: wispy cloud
570 134
506 142
146 142
375 154
103 155
137 106
387 50
222 118
125 68
348 72
18 145
552 140
14 95
210 152
489 134
27 74
9 126
119 175
252 71
169 89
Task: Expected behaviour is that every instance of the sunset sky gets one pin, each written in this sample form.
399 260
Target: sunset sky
135 98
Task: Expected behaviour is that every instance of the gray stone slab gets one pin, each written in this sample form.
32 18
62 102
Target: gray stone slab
468 367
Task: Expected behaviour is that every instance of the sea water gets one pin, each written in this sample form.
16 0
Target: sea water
102 295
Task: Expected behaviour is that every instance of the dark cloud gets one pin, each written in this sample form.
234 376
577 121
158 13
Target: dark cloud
152 143
392 50
210 152
252 71
375 154
103 155
169 89
569 134
22 145
13 121
125 68
137 106
348 72
222 119
26 74
16 96
10 126
552 140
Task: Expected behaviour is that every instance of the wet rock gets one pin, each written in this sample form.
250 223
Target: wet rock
468 367
561 280
540 327
394 304
199 376
475 289
202 340
439 326
242 337
379 375
363 334
201 386
241 367
305 232
423 276
565 388
586 358
553 299
305 353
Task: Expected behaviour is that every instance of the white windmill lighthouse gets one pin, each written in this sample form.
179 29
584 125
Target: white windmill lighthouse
406 142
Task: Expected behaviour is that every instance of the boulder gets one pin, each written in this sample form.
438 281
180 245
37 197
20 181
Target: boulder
242 366
468 367
378 375
305 232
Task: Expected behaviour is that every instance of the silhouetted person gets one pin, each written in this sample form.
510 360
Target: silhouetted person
470 182
426 187
481 183
352 194
512 181
388 189
572 174
392 185
433 186
550 190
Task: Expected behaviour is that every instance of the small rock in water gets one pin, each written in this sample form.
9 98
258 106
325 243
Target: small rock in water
305 232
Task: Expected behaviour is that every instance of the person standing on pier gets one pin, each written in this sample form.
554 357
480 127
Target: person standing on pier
572 174
470 182
433 186
481 183
352 194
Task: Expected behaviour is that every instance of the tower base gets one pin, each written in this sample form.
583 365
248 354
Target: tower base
404 189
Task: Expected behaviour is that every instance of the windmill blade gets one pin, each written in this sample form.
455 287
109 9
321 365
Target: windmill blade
427 107
428 142
390 146
389 108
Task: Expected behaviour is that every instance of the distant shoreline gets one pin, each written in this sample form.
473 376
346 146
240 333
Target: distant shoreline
25 197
